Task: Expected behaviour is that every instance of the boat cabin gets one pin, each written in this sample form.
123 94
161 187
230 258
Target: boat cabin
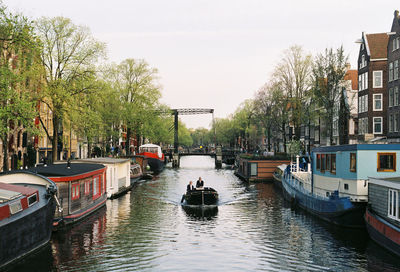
347 168
81 189
258 168
117 174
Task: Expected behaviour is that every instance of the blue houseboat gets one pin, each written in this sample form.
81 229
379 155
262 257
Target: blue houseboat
335 187
382 215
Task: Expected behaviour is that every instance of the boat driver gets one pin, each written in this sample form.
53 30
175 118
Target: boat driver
199 183
190 186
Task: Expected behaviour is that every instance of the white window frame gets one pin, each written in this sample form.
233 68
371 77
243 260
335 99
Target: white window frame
375 74
396 122
393 206
391 97
375 96
391 122
396 70
390 71
396 96
366 102
373 125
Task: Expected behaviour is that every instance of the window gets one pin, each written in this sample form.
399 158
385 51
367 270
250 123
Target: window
333 163
253 169
363 62
96 187
377 106
391 123
366 103
396 70
396 123
32 199
346 186
377 79
394 45
386 162
396 96
328 162
390 71
391 97
87 187
323 162
318 161
393 204
75 191
363 81
377 125
353 162
15 207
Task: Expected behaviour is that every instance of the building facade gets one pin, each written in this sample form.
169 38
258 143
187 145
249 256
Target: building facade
393 55
372 86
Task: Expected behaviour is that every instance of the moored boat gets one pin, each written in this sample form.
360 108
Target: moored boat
154 155
135 173
278 174
27 207
81 189
201 196
335 186
382 215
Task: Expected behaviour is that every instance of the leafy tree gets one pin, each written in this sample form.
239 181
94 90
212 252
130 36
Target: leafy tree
294 76
69 53
19 74
328 72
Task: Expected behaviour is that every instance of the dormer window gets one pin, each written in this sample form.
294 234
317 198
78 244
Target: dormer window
363 62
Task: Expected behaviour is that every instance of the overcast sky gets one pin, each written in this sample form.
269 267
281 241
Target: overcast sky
217 53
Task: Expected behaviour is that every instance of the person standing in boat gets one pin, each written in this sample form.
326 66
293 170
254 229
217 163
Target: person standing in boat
190 187
199 183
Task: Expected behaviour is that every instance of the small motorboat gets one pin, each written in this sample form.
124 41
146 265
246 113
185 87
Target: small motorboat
201 196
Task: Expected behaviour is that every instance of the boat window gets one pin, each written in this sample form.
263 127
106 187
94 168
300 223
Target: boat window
15 207
75 191
386 162
87 187
353 162
323 162
32 199
328 162
393 204
346 186
318 161
333 163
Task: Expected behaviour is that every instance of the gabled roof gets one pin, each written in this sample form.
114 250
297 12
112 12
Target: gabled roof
353 76
377 45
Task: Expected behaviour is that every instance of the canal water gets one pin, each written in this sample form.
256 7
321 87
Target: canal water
251 229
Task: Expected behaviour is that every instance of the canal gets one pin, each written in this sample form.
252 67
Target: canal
252 229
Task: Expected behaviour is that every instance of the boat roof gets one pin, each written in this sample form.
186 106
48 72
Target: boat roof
10 191
355 147
61 170
102 160
149 145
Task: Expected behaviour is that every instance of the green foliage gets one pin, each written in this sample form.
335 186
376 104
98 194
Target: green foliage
18 74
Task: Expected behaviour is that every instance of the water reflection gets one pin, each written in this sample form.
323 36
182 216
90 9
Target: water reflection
201 212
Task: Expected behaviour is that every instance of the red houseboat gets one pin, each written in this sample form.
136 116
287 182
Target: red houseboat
81 189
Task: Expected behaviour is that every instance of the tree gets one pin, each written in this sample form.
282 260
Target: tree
328 72
68 55
135 82
18 74
294 76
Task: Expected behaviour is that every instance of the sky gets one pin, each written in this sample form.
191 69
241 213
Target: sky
217 53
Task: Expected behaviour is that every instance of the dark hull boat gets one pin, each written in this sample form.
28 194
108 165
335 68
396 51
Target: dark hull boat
206 196
155 157
27 207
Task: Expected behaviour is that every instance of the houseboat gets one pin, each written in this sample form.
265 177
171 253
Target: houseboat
117 174
335 186
382 215
136 173
154 156
258 168
81 189
27 207
278 174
